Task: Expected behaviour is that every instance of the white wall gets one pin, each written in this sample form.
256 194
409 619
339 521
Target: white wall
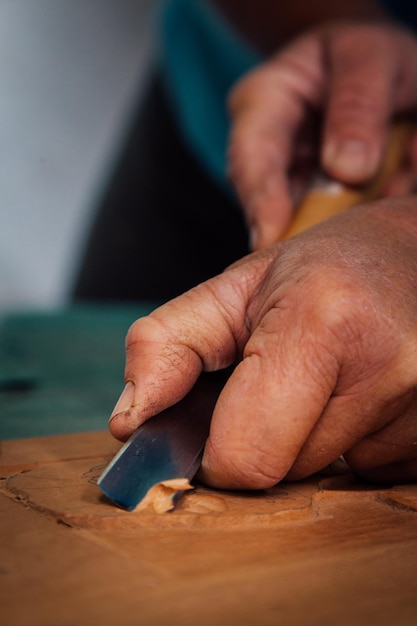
68 73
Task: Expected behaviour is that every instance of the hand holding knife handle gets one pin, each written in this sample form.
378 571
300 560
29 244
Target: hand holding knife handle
327 197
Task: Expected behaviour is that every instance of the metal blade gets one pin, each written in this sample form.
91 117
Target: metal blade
168 445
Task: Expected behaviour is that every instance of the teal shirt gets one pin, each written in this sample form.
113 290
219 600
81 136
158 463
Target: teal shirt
201 58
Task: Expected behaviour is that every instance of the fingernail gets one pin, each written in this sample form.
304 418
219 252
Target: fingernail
125 401
204 473
253 238
350 158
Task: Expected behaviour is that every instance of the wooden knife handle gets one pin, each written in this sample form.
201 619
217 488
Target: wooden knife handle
328 198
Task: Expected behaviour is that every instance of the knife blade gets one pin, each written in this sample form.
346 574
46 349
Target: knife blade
167 446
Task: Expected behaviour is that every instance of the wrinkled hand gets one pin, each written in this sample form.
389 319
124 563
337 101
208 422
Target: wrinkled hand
325 328
355 76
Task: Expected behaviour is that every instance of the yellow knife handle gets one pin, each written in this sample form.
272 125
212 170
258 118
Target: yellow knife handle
328 198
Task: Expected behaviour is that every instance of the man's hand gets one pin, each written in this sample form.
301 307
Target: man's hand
324 326
354 76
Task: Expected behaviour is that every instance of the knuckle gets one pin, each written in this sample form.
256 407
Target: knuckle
354 105
262 466
246 89
262 473
340 305
143 329
245 466
149 334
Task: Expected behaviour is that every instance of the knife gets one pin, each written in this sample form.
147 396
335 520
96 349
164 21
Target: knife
170 445
165 447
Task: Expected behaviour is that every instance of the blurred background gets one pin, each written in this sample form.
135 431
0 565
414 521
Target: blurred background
70 71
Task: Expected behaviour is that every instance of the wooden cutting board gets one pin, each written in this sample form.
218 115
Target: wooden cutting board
329 550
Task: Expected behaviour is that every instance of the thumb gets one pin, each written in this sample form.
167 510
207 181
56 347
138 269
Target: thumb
368 66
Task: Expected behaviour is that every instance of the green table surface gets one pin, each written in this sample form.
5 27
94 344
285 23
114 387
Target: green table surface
62 371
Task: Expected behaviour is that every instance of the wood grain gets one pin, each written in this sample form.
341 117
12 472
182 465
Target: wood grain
326 550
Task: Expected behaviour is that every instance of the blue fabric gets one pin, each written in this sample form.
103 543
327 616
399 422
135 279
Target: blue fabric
201 58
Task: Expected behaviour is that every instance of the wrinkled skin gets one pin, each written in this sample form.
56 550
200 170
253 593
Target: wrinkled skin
325 325
355 76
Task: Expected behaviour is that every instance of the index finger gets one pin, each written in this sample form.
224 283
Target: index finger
201 330
267 108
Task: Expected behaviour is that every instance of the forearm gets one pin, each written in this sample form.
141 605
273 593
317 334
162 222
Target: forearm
267 23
